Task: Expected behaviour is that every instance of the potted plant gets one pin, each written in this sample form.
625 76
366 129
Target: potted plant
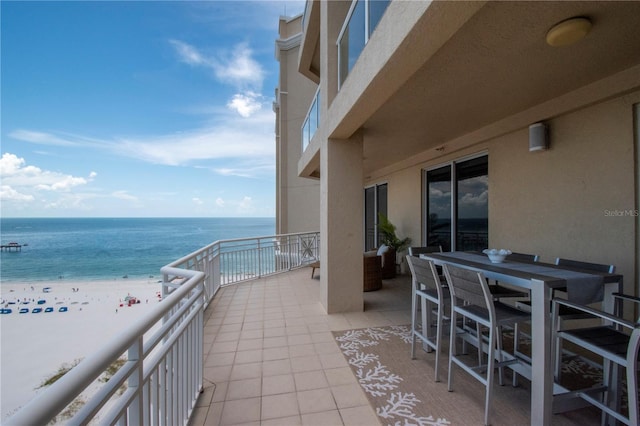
395 244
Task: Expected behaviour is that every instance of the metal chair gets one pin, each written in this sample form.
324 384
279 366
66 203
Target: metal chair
417 251
427 288
499 291
471 299
617 341
568 313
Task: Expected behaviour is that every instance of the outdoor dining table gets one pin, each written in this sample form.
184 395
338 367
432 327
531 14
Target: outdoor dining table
540 279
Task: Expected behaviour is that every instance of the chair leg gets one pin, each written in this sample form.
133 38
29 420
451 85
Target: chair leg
557 353
499 345
452 349
427 319
414 318
438 341
490 365
516 337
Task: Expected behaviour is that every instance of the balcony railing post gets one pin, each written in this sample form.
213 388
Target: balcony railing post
135 354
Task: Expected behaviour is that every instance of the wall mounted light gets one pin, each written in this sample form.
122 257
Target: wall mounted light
538 137
568 32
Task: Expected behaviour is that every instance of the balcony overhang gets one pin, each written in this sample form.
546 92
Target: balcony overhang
475 70
309 163
309 58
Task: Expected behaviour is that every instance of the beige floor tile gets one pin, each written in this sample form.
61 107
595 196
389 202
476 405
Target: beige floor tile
340 376
243 389
305 363
217 360
251 326
221 347
273 385
299 339
275 332
271 354
249 344
230 327
322 337
214 414
251 356
297 329
349 395
227 337
327 348
241 411
274 342
326 418
274 323
333 360
317 400
246 371
252 334
283 421
217 374
310 380
302 350
276 367
359 416
220 391
283 405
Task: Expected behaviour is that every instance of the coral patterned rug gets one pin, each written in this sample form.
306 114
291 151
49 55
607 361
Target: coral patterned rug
403 391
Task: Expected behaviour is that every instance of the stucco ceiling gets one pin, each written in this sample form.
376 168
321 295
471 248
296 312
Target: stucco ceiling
497 65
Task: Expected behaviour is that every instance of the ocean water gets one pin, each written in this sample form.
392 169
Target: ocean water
108 248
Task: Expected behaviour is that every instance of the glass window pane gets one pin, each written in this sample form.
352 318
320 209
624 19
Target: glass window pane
381 206
472 182
370 218
439 207
376 10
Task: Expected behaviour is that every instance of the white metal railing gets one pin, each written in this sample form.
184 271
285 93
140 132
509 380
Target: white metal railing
161 377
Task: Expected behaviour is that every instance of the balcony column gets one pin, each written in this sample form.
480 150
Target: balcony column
341 230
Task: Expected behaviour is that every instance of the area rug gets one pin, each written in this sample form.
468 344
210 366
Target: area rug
403 391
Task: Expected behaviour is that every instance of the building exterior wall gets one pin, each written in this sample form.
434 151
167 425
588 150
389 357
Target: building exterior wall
439 81
297 198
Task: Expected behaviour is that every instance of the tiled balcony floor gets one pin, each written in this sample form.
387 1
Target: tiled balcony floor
271 359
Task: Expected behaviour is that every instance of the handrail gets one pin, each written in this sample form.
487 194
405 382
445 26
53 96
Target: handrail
163 367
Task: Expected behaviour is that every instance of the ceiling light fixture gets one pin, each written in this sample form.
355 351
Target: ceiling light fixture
568 32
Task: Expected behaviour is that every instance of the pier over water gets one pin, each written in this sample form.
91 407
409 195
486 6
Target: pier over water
11 247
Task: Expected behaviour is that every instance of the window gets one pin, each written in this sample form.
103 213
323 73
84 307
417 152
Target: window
375 201
362 20
457 205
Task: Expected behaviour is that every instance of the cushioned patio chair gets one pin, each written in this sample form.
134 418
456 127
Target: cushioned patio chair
471 299
372 271
428 290
617 341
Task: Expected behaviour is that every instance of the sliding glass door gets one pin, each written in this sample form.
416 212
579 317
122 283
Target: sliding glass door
457 205
375 201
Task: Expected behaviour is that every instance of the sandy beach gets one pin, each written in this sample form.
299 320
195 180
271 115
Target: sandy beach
33 346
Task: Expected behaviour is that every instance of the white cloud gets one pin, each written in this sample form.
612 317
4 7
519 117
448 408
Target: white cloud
237 67
197 201
245 104
25 184
219 202
246 145
124 195
246 205
15 174
7 193
41 138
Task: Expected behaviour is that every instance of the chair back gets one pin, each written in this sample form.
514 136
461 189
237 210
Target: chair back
576 264
423 271
417 251
467 287
524 257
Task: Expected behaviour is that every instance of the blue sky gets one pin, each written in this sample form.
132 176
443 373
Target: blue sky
139 109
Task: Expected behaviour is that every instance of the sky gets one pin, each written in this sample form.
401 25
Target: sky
138 109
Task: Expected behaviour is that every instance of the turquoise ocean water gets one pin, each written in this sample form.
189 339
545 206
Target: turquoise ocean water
108 248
